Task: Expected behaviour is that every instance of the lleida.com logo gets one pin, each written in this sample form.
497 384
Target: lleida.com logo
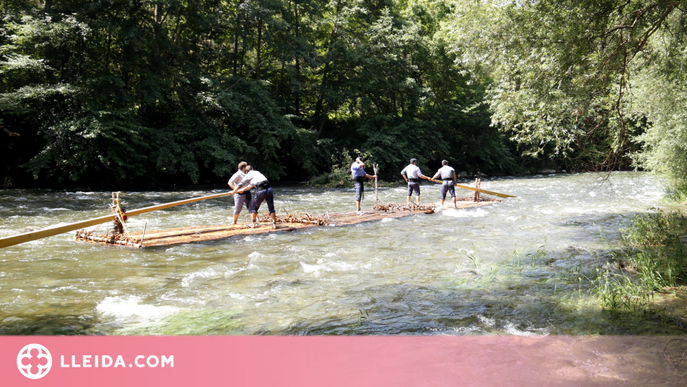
34 361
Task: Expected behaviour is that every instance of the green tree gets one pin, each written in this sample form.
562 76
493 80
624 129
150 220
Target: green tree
660 95
560 70
178 91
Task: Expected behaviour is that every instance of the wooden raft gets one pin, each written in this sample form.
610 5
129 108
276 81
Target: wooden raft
291 222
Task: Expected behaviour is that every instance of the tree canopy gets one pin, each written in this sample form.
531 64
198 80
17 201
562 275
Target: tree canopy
579 78
141 92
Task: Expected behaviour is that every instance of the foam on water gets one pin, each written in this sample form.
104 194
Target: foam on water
211 273
511 329
577 210
467 331
465 213
311 269
346 266
207 273
70 287
127 308
489 322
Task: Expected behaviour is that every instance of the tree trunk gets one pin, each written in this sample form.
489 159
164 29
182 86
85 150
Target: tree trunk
298 63
157 27
107 53
236 39
319 106
151 108
48 47
259 59
320 100
320 115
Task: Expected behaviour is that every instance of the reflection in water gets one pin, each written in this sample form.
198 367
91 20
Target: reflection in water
516 268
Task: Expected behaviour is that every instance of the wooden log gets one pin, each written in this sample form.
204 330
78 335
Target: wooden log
501 195
55 230
47 232
208 233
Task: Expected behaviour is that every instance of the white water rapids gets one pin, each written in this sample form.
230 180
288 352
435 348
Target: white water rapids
512 268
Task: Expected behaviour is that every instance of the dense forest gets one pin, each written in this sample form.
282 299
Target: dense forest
108 93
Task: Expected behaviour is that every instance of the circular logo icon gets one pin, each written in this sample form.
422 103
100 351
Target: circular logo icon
34 361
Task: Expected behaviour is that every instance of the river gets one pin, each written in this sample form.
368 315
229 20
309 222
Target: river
521 267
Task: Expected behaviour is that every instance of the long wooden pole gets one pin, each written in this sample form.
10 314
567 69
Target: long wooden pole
50 231
501 195
374 167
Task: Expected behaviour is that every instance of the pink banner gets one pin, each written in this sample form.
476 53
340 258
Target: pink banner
340 361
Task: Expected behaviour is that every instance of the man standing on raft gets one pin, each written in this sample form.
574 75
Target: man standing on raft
359 175
412 175
264 192
240 199
448 175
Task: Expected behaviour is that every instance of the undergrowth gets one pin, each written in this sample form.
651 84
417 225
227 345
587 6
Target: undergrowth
652 257
340 176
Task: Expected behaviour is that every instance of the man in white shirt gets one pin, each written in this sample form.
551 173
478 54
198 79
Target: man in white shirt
264 193
448 183
412 175
239 198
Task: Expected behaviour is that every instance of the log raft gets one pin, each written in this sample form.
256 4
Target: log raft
290 222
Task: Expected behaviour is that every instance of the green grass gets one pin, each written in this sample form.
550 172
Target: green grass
652 229
652 257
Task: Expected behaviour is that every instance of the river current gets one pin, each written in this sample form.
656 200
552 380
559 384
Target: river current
524 266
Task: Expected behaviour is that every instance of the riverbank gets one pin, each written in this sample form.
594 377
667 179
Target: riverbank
651 268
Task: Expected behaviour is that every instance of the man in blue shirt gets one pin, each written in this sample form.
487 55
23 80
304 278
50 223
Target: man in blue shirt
359 175
412 175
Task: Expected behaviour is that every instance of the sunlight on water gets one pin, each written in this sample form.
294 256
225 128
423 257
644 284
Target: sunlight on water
508 268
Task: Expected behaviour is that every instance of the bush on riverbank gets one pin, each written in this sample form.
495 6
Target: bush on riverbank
340 175
653 257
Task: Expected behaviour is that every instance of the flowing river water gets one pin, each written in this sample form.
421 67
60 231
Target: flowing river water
521 267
